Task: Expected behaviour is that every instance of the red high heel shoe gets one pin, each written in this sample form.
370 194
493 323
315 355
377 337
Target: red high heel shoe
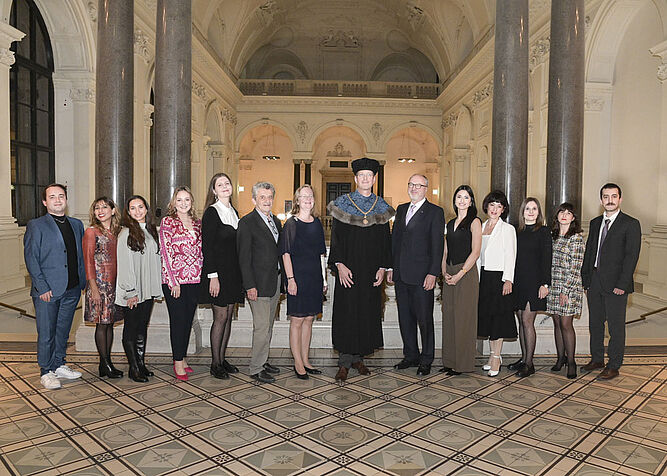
183 377
188 369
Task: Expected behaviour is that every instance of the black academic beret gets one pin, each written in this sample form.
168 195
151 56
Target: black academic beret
365 164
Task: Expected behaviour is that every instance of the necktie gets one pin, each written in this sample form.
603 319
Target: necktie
605 229
273 228
411 212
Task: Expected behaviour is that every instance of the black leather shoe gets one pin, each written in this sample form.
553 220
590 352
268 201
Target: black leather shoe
592 366
451 372
313 371
218 371
229 368
263 377
303 376
424 370
405 364
272 369
445 369
515 365
526 371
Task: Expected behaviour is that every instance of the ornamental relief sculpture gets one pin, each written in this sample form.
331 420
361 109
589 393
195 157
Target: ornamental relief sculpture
376 132
302 130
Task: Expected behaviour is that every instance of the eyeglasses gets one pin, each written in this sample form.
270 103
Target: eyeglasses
416 186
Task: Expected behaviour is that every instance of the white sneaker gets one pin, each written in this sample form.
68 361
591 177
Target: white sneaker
65 372
50 381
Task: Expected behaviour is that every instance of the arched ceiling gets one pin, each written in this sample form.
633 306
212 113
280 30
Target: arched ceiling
444 31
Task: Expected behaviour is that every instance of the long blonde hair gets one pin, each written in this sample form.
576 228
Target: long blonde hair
171 208
295 203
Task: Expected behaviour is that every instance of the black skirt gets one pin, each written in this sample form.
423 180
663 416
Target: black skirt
495 312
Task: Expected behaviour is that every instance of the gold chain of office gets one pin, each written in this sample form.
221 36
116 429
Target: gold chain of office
364 221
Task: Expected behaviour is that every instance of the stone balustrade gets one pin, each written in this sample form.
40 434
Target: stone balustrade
303 87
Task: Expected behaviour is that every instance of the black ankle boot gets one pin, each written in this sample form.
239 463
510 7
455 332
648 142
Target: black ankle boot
132 358
106 369
141 352
115 373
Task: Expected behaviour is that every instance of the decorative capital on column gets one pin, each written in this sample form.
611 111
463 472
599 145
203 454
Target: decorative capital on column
82 94
230 116
660 50
593 103
539 53
7 57
8 35
148 112
199 91
482 94
91 6
297 161
142 46
302 130
449 121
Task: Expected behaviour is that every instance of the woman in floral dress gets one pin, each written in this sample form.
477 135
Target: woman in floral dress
99 257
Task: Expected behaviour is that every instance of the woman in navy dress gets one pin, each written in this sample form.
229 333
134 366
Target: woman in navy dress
303 250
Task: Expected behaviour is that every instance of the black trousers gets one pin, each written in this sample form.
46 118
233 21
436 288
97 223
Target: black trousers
181 313
606 306
415 310
135 324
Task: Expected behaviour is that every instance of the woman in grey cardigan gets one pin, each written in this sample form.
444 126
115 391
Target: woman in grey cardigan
138 281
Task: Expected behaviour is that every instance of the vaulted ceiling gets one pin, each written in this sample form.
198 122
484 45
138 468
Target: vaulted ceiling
439 32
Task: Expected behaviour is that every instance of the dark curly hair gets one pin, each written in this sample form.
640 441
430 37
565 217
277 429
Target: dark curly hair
497 196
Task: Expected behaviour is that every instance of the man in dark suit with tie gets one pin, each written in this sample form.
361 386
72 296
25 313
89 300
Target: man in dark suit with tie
257 243
612 251
54 259
417 247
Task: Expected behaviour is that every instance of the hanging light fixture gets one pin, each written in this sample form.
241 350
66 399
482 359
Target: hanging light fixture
270 150
403 156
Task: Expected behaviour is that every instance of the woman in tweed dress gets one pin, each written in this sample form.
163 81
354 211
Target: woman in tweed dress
566 293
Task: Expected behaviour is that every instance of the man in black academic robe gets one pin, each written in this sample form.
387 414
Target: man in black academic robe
360 253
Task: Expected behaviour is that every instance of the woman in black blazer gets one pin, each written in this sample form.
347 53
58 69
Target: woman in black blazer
221 275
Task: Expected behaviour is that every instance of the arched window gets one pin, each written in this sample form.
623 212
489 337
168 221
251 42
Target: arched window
31 112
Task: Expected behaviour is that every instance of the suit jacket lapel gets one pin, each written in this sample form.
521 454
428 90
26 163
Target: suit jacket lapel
612 229
418 214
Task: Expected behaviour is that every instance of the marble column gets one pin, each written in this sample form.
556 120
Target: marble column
380 180
565 125
307 177
297 173
12 271
173 98
510 103
114 135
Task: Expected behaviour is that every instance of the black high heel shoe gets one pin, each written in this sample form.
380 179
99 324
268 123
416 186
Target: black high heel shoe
229 368
526 371
559 364
516 365
571 370
301 376
312 371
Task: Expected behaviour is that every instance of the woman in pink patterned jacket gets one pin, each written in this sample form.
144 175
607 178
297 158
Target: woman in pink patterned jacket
182 261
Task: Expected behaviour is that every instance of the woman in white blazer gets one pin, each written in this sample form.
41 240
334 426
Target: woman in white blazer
495 317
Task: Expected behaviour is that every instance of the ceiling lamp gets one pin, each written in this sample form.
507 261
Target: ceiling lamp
405 155
270 150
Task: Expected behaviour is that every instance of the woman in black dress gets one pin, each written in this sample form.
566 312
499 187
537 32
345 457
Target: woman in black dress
532 279
303 250
221 275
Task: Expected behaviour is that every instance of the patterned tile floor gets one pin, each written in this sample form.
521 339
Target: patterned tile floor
389 423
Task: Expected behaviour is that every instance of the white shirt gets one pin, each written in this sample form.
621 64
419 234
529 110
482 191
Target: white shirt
415 207
611 219
227 214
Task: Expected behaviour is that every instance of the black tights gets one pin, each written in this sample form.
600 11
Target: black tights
221 329
527 336
104 340
565 338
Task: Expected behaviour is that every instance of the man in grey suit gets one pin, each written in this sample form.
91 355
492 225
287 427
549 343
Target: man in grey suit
612 252
257 243
54 258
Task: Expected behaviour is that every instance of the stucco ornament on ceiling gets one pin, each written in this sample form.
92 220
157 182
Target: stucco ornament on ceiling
339 151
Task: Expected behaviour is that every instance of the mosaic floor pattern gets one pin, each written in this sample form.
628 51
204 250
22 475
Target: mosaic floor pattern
388 423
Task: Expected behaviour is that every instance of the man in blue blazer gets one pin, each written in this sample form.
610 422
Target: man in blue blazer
612 252
54 258
417 241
